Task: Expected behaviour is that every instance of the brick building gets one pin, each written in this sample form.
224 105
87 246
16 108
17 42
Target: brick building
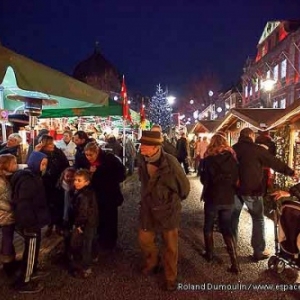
277 59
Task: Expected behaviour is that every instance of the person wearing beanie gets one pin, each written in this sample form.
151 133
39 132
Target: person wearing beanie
163 186
31 214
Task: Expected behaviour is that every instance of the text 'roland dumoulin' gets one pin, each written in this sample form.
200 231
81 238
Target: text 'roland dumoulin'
237 287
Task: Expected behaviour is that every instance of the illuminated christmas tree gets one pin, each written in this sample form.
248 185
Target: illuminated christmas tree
159 110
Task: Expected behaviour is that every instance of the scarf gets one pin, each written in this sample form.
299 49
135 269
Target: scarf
67 200
65 186
152 162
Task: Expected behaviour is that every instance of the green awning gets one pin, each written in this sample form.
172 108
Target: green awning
20 72
112 109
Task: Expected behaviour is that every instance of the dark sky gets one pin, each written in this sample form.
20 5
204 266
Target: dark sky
150 41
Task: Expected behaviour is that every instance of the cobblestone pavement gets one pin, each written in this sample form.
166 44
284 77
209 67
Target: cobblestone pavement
118 276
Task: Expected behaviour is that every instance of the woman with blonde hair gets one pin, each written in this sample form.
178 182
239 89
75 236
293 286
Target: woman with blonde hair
8 165
219 176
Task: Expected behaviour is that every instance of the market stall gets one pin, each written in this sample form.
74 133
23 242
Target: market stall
22 78
259 119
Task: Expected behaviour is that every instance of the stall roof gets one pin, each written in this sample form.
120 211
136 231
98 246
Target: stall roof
206 126
31 76
259 118
288 114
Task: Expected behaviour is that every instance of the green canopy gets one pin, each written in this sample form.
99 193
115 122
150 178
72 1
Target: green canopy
113 109
64 107
18 73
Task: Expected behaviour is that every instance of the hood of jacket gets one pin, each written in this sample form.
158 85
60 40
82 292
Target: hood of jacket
34 161
222 157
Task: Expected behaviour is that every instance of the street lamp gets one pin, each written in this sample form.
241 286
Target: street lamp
171 99
268 86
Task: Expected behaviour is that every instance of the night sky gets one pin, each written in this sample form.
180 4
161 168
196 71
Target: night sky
150 41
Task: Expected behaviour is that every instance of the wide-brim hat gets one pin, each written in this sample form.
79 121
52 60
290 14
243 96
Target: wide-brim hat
151 138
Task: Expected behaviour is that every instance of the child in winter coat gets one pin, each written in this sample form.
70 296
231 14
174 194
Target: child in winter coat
84 216
65 190
31 214
8 165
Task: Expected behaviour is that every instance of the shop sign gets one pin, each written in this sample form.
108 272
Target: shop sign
3 115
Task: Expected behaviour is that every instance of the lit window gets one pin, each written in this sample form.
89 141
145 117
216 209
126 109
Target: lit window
283 103
268 74
283 69
275 73
250 92
275 104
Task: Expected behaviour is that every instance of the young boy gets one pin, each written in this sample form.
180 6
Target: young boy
84 215
31 214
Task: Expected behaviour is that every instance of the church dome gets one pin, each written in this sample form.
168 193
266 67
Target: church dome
98 72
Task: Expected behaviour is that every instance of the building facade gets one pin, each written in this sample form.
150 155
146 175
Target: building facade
231 98
99 73
277 63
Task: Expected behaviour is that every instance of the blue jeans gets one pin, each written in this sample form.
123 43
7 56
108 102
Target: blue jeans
224 215
255 206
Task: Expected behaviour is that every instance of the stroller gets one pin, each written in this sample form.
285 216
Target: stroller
287 236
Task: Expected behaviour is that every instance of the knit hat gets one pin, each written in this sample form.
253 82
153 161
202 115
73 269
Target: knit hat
151 138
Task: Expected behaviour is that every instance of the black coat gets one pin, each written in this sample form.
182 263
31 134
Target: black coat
181 147
252 159
107 178
84 211
57 163
16 151
219 176
267 141
29 200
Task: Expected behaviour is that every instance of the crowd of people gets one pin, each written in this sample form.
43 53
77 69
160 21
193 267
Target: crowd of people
79 202
73 188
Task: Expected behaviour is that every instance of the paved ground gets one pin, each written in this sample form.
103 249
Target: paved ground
118 276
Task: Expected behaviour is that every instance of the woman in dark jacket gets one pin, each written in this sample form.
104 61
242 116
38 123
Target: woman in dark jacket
57 163
219 176
108 172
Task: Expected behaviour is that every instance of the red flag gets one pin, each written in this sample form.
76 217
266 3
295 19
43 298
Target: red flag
142 115
126 112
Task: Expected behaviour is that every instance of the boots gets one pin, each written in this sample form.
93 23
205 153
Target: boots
209 246
231 249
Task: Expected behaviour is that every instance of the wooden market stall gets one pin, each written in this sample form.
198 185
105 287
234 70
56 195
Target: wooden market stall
259 119
205 127
287 138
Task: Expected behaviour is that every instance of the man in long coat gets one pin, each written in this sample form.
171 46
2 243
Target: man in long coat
163 186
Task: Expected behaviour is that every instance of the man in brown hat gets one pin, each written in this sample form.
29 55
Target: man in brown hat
163 186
